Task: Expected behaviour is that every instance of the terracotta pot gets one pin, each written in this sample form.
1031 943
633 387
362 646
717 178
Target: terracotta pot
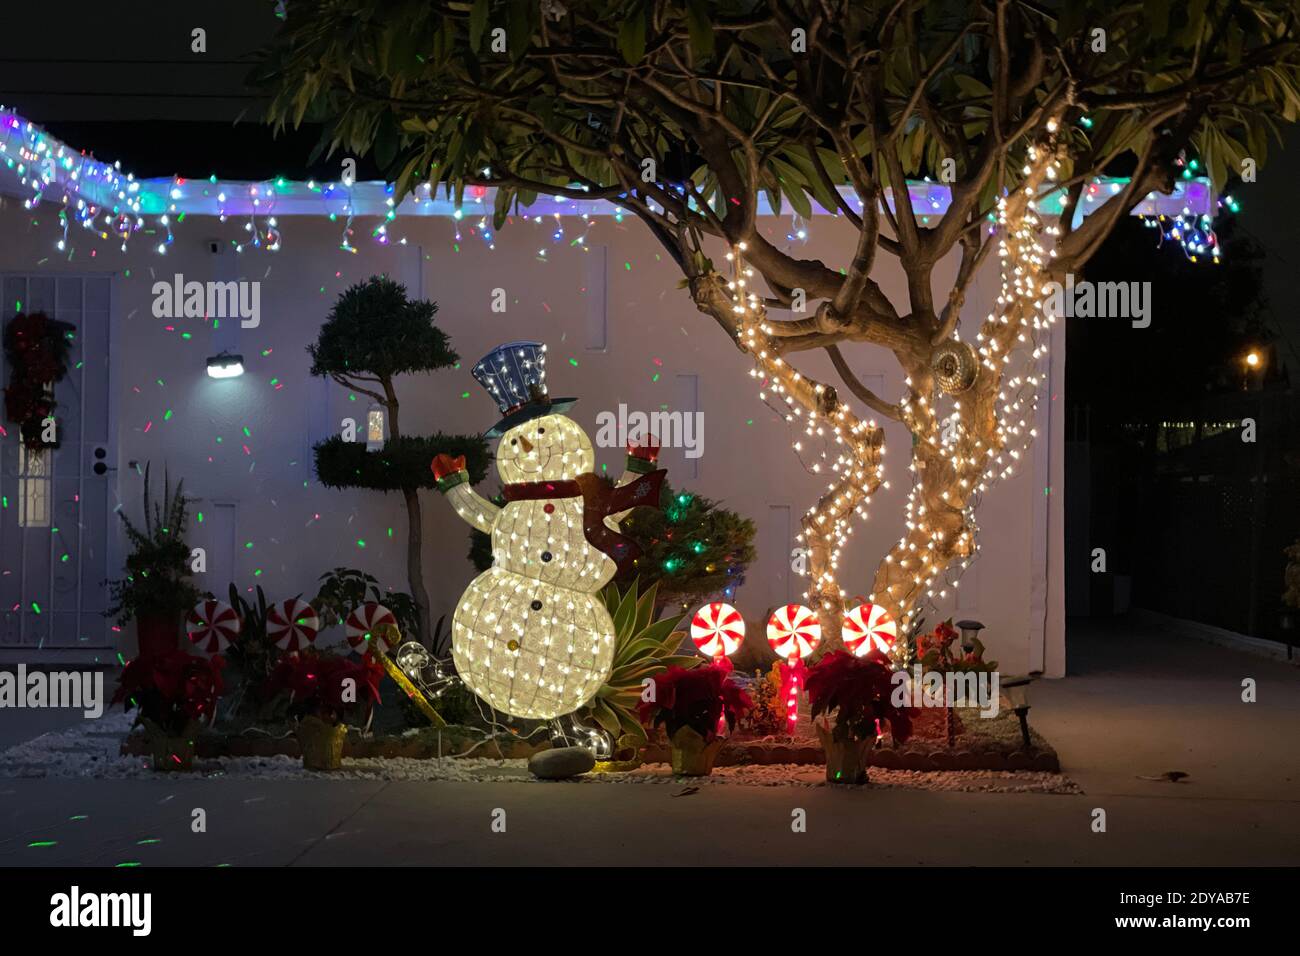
691 756
157 633
847 758
171 753
321 743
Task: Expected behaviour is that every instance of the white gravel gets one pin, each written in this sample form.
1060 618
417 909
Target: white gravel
92 751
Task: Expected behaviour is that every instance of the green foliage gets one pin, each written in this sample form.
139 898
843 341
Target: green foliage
343 590
374 329
157 569
402 463
417 85
690 546
252 653
643 647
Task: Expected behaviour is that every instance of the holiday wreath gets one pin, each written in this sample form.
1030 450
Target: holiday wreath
37 348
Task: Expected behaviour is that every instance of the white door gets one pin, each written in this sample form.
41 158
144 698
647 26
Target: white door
55 504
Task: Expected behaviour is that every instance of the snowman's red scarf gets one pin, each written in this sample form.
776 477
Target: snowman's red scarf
599 501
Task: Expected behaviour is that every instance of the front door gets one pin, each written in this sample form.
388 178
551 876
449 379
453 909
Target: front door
55 503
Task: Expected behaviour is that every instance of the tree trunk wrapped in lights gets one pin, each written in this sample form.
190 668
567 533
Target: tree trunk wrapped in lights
684 116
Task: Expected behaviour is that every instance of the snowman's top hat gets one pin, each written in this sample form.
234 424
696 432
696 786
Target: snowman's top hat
514 375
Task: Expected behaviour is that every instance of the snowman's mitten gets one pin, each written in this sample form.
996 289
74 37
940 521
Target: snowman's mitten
642 458
449 471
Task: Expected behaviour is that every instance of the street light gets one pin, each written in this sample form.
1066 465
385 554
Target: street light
1253 367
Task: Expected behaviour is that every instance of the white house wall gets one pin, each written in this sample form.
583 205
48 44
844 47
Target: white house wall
612 304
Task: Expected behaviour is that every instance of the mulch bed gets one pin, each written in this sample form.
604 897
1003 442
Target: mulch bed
981 744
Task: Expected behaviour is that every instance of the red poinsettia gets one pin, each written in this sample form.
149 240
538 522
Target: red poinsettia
325 685
172 689
859 690
695 698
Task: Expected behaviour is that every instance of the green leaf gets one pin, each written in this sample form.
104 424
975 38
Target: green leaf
793 187
631 37
701 30
520 29
626 612
645 609
604 715
478 18
501 207
630 726
1157 17
387 141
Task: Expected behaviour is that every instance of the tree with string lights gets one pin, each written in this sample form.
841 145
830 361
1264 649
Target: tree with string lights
685 113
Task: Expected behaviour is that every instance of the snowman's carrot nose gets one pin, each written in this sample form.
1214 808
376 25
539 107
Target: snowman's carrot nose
528 446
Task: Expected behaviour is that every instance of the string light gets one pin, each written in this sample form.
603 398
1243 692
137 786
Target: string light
849 450
920 567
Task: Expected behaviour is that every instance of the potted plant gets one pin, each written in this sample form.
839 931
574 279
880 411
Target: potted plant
691 704
156 591
858 690
173 692
323 690
937 652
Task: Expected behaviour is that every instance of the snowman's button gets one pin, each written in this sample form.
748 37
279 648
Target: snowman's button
546 556
536 605
548 508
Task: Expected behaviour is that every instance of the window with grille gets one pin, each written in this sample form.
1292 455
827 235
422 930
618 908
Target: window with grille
33 487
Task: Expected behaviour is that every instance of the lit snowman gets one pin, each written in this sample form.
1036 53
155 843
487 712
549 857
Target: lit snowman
531 635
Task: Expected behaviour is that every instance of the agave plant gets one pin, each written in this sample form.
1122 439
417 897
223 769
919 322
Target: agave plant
644 647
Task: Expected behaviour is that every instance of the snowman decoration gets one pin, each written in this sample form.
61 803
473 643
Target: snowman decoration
531 635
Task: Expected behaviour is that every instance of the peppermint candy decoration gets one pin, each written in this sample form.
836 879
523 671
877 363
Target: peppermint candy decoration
292 624
868 626
717 630
212 625
369 625
793 631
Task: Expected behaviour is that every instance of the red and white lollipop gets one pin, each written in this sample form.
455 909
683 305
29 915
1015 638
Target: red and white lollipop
868 626
372 625
212 625
292 624
794 632
717 630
